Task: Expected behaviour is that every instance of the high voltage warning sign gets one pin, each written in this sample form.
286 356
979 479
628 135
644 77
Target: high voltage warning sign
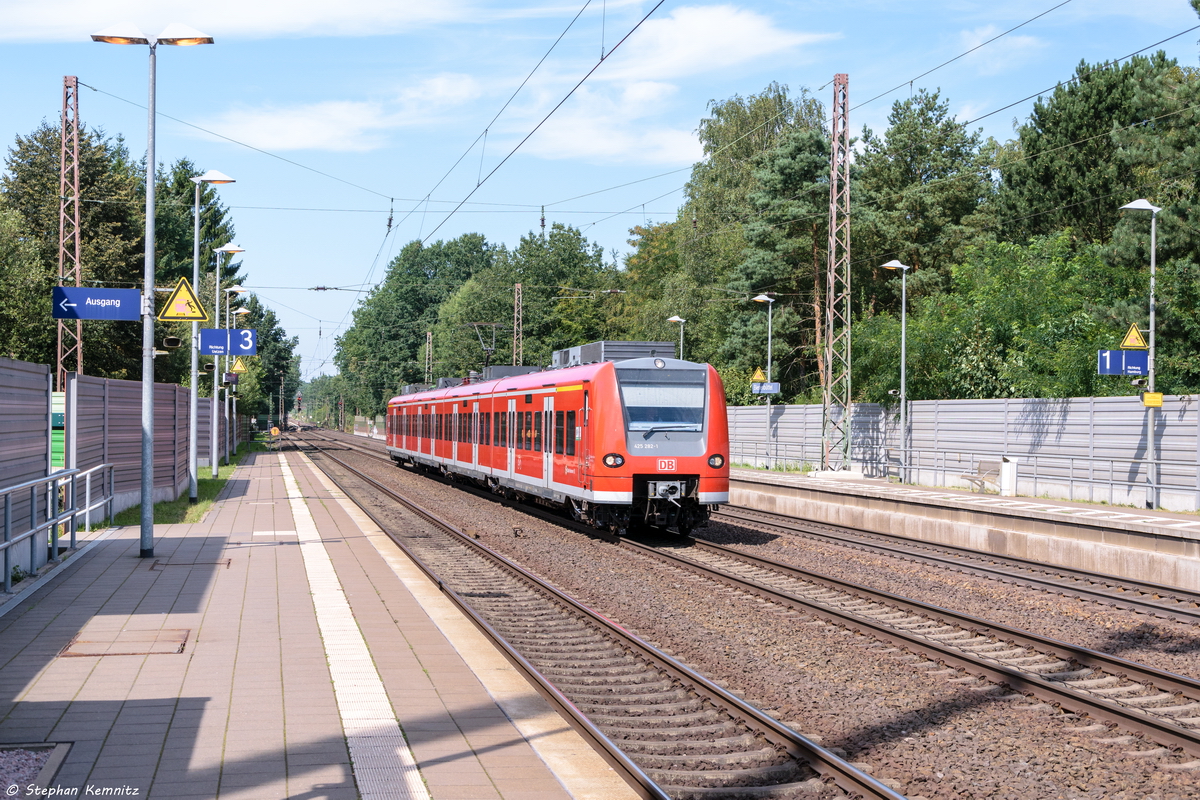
758 377
239 366
183 305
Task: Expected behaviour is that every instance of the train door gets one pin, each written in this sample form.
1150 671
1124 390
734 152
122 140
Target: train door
455 435
510 438
583 446
475 437
547 435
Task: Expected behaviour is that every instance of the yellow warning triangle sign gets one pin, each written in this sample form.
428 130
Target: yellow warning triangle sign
1134 340
759 377
239 366
183 305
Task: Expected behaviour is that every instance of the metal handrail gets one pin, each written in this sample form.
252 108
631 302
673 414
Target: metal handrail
66 479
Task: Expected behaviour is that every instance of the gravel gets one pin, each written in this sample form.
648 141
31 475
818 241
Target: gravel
21 767
923 734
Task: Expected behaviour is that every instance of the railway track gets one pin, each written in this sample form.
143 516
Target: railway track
669 730
1161 706
1164 602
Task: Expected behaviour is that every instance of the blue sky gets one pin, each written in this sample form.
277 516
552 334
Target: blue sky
384 96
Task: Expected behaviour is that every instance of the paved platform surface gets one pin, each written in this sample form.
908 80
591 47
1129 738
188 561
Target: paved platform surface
281 648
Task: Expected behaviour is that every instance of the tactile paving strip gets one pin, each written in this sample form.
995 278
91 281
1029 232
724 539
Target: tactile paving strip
383 765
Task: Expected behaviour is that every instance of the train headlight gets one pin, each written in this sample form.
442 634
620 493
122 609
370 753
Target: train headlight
614 460
716 461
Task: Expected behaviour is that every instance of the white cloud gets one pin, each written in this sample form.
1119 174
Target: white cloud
447 89
607 127
1005 54
347 125
697 39
338 125
74 20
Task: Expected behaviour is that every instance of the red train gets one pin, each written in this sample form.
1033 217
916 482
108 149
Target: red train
642 441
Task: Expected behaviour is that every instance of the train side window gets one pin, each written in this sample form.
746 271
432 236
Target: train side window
527 430
537 431
520 431
558 432
586 408
570 433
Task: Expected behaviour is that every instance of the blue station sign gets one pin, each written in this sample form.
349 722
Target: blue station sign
73 302
764 387
1122 362
228 342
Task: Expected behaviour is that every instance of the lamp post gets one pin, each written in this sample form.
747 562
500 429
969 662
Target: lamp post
904 268
770 301
235 438
1151 417
179 35
221 252
228 438
680 320
210 177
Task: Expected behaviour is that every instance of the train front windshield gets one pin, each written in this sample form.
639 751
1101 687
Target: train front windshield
663 399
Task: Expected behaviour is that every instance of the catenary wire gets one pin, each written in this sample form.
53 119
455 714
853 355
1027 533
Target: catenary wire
544 119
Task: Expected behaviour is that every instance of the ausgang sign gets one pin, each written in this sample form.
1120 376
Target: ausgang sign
72 302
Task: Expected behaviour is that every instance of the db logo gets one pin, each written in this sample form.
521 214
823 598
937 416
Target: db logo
666 465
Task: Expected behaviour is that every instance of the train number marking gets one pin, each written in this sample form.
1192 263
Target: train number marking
666 465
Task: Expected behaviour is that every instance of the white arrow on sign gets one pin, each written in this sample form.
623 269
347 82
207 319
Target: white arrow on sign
63 305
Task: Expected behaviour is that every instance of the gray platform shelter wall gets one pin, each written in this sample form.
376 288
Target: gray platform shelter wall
25 420
1091 449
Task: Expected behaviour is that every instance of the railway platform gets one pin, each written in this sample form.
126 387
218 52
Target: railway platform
1155 546
281 648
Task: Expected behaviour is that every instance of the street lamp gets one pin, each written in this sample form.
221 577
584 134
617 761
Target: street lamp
680 320
770 301
904 268
230 291
229 249
235 438
1152 420
210 177
174 34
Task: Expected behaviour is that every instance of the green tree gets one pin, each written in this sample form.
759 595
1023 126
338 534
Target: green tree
111 239
564 279
786 257
919 191
1015 321
384 348
276 368
24 282
1067 168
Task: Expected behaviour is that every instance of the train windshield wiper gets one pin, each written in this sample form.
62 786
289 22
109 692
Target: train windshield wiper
678 426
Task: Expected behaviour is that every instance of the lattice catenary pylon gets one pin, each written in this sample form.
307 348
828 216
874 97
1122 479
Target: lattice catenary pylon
835 426
518 336
70 332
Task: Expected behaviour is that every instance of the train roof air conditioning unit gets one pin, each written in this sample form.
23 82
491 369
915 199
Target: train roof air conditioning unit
610 351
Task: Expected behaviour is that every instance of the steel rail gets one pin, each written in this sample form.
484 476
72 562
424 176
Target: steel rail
629 771
912 549
828 765
1055 692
